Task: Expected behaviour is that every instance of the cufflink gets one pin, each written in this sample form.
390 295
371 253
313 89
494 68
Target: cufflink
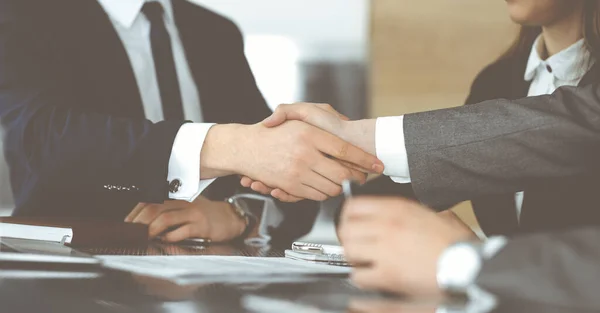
174 185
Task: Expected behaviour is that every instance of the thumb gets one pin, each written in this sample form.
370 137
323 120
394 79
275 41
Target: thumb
285 112
277 118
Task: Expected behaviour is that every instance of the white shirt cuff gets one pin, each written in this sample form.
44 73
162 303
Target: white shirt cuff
390 148
459 265
184 163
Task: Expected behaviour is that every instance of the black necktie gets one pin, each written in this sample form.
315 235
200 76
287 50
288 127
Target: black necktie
166 74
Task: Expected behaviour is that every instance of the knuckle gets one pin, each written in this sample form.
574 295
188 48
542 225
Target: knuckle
326 106
197 215
335 190
343 150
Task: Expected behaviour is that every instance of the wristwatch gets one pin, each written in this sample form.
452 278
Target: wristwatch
239 210
459 265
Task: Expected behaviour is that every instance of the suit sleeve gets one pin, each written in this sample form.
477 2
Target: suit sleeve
50 132
557 268
501 146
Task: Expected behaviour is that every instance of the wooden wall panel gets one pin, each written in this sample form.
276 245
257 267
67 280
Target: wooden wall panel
425 54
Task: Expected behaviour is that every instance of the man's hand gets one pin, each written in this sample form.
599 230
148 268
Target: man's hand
301 160
398 243
359 133
178 220
321 115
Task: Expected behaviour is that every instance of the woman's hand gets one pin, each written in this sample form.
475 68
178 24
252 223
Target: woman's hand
396 244
178 220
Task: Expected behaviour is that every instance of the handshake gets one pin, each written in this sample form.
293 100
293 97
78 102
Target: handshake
302 151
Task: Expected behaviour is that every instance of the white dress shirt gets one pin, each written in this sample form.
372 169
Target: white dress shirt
134 30
456 269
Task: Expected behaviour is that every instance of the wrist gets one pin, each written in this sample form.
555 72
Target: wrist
219 155
360 133
239 223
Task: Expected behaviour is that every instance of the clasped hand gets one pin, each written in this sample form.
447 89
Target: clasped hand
350 158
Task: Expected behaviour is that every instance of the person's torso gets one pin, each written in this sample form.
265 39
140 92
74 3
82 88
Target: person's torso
551 204
90 60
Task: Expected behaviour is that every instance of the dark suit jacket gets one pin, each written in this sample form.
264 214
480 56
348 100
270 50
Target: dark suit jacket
73 114
554 203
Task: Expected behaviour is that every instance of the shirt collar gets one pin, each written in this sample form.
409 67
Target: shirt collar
126 11
569 64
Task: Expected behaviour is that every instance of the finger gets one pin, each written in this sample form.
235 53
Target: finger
339 149
282 113
322 184
359 232
338 173
184 232
261 188
149 213
308 192
311 193
352 166
135 212
366 278
359 253
284 196
378 207
327 107
311 113
246 181
168 219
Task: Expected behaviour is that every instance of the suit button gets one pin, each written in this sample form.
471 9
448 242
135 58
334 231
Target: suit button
174 185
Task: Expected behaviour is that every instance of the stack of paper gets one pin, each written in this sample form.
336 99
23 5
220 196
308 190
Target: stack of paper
223 269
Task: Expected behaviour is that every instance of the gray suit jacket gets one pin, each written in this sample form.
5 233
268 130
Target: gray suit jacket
561 268
501 146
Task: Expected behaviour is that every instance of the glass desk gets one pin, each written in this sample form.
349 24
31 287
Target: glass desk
108 291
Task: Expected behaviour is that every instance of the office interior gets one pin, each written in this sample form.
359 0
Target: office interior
366 58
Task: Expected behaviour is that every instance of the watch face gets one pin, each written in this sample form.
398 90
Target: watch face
458 266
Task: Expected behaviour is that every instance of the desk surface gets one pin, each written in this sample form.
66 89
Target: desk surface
119 292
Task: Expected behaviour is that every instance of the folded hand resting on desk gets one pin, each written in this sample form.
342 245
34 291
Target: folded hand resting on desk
178 220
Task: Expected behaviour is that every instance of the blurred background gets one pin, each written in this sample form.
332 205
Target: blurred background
367 58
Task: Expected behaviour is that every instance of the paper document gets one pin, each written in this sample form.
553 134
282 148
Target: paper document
225 269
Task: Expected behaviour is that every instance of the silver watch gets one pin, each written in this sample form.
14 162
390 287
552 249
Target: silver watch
459 265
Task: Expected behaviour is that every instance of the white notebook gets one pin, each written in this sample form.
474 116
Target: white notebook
30 232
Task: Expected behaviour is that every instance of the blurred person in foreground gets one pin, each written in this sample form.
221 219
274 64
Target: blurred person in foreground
404 247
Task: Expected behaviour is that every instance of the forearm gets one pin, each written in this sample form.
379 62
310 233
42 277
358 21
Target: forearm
502 146
59 144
